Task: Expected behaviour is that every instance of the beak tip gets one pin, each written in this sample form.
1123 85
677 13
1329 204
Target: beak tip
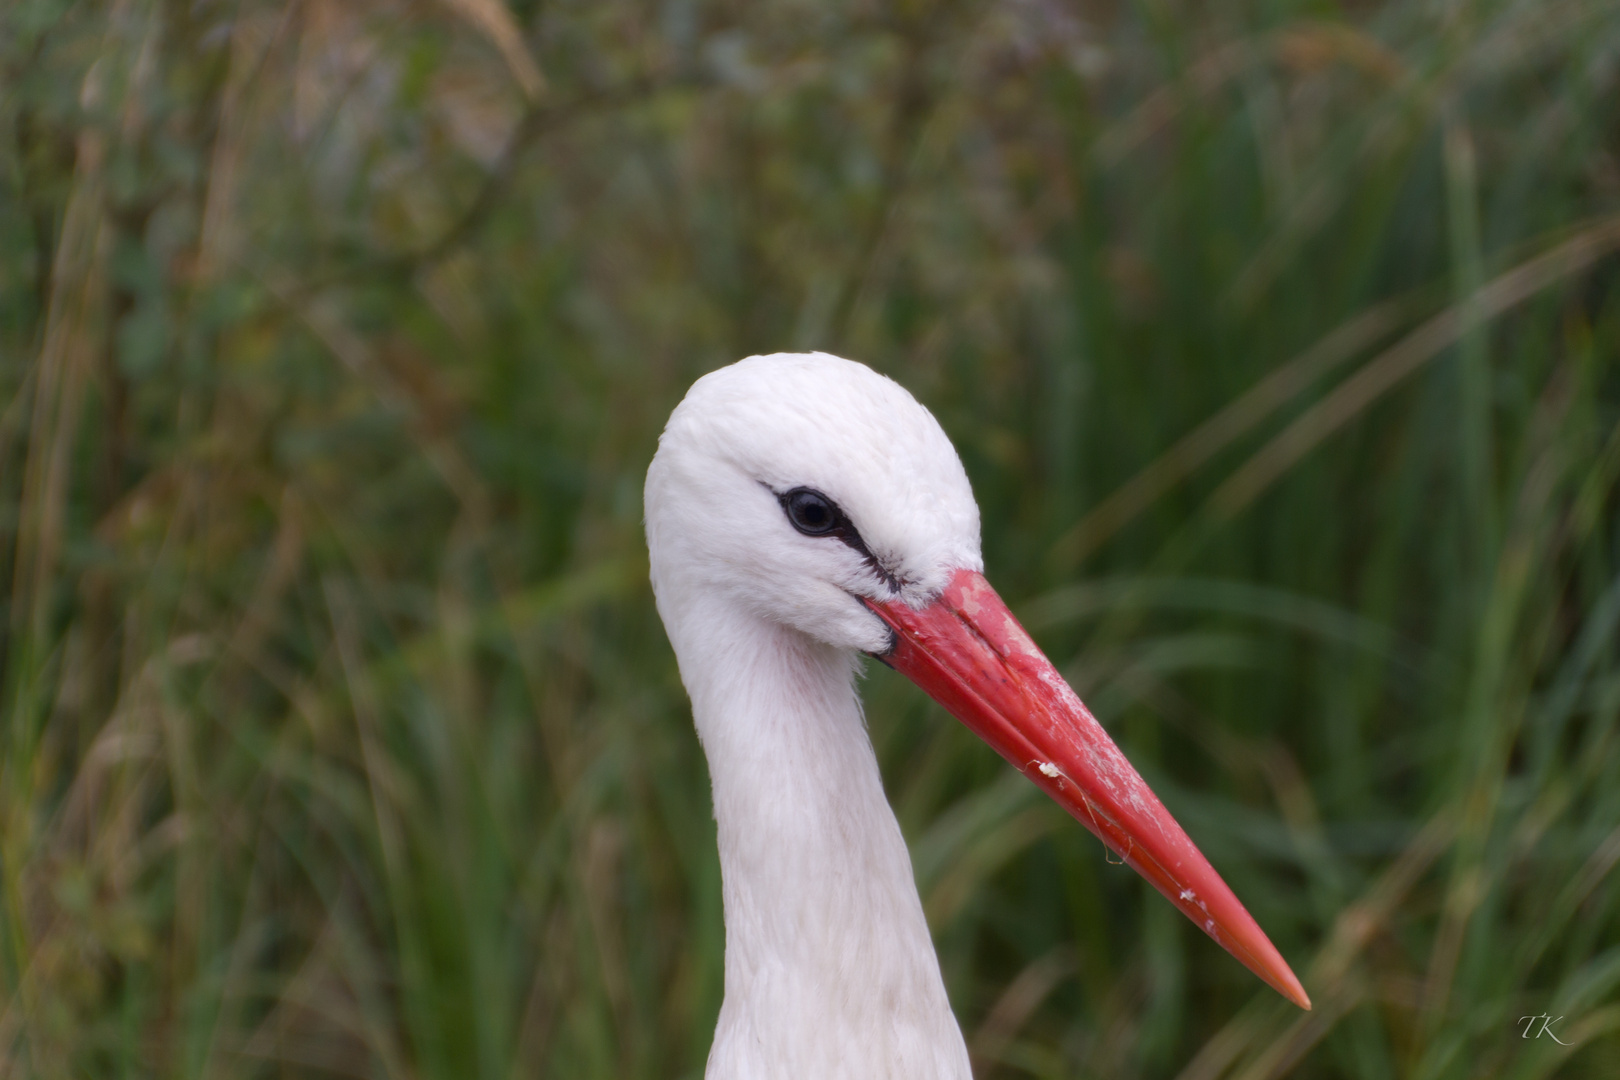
1287 984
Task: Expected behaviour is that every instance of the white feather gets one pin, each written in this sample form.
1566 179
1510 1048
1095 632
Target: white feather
830 971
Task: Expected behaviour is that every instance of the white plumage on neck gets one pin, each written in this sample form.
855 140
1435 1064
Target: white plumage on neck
830 971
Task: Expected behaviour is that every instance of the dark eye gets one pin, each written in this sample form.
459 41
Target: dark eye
811 512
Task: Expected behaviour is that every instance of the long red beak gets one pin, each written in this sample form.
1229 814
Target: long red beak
969 654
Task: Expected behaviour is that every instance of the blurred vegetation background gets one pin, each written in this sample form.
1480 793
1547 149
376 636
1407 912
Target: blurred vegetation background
340 737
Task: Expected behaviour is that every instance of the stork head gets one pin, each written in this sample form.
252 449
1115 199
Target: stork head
818 494
801 484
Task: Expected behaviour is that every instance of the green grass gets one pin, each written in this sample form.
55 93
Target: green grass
339 736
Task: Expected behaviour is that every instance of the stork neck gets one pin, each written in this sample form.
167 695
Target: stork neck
830 970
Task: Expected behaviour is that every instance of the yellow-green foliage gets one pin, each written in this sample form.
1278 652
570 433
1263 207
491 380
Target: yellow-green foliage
338 735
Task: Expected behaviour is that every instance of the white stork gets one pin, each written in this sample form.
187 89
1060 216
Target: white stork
801 510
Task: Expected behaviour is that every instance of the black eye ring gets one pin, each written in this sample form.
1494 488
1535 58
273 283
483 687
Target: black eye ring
812 513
